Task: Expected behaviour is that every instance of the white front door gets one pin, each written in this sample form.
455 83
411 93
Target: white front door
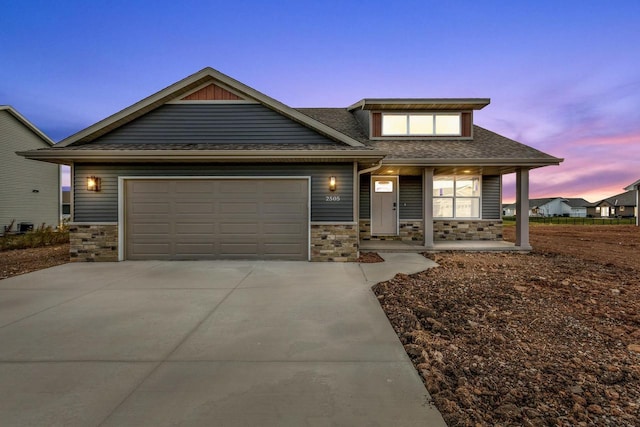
384 205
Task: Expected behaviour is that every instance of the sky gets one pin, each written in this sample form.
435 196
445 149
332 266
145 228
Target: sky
563 76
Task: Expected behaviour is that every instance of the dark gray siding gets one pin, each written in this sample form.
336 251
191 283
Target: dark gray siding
214 123
365 197
103 206
491 197
410 197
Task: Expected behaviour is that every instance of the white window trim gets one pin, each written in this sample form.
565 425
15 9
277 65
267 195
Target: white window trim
454 197
409 134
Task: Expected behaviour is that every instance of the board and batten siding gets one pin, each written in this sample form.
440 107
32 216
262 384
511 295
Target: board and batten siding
103 206
214 123
29 190
491 197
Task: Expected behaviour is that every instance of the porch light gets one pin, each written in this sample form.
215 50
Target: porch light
332 183
94 183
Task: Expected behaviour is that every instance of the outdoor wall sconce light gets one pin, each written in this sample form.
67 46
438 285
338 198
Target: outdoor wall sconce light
332 183
94 183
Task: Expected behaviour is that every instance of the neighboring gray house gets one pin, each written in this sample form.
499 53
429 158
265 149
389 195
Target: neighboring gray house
577 207
635 187
623 205
210 168
29 190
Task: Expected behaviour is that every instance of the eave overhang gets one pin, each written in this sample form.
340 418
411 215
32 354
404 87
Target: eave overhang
67 157
634 186
424 104
475 162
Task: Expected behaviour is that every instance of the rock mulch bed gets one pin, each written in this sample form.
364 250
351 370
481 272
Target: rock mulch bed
542 339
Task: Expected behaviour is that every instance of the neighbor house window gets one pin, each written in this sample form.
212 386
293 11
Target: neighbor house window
456 197
421 124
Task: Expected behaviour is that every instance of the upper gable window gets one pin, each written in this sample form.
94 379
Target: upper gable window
421 124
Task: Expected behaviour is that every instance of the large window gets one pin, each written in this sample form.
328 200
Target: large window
421 124
456 197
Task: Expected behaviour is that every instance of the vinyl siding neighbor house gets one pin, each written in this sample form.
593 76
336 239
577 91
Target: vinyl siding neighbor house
621 205
209 168
29 190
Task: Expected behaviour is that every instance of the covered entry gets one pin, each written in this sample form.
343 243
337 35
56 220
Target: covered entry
216 218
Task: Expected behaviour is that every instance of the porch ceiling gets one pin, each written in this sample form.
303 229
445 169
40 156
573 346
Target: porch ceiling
445 170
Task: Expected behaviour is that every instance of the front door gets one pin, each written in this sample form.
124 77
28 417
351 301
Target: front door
384 205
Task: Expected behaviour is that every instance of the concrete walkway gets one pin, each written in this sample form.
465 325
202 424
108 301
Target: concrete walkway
206 343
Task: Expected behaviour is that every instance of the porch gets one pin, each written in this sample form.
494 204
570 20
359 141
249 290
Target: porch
441 246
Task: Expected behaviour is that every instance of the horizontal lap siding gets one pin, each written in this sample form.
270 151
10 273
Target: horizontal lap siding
410 197
103 206
365 197
491 197
214 123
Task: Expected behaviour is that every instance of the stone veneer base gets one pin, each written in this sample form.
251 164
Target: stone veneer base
93 242
334 242
443 230
449 230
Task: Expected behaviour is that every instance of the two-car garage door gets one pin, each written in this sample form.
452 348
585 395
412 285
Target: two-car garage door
174 219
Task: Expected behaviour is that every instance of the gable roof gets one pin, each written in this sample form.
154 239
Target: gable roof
535 203
627 198
577 202
189 84
9 109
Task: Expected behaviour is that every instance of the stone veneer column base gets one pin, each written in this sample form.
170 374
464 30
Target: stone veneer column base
448 230
93 242
334 242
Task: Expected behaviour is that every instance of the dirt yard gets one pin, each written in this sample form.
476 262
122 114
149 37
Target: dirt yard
550 338
22 261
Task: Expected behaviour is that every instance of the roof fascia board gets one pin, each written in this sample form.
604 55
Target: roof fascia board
203 76
9 109
371 103
198 154
473 162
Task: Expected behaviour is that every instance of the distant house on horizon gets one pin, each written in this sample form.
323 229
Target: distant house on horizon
623 205
29 190
552 206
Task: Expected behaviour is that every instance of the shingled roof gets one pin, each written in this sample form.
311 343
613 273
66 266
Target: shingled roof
486 147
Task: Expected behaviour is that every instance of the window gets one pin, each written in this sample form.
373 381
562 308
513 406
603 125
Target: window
456 197
421 124
383 187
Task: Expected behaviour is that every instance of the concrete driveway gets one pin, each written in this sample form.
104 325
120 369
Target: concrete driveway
206 343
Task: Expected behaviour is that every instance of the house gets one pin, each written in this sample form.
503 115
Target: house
29 190
210 168
66 203
551 206
635 187
577 207
621 205
508 209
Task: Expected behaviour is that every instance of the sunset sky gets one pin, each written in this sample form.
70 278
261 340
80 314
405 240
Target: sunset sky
563 76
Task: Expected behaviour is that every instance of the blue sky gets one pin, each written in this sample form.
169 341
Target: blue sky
563 76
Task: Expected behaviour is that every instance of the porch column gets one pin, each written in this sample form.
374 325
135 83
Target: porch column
427 217
522 208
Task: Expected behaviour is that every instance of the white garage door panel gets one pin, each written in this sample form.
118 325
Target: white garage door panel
217 219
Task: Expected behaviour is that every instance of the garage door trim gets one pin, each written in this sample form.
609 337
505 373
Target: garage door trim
121 200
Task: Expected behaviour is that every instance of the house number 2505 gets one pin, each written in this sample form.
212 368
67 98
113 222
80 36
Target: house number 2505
332 198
